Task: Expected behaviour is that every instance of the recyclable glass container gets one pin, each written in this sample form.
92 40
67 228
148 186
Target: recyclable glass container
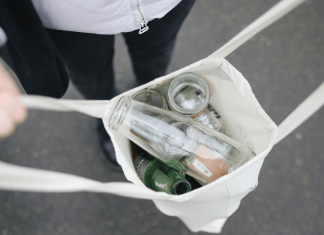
158 176
178 140
151 97
189 94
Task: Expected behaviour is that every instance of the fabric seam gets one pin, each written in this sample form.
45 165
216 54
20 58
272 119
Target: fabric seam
229 198
260 110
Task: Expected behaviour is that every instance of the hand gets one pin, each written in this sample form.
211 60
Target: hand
11 110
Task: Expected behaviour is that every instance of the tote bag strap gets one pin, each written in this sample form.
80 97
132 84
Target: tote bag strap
272 15
94 108
313 102
13 177
309 106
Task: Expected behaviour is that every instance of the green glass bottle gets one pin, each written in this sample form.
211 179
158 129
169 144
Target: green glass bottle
158 176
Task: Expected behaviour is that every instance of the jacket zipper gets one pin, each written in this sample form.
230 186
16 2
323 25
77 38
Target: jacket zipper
143 25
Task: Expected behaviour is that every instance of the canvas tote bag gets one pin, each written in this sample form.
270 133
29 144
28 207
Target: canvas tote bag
207 208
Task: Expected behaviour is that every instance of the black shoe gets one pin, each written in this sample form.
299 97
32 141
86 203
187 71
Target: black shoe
107 147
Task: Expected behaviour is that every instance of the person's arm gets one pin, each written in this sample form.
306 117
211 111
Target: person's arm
3 37
11 110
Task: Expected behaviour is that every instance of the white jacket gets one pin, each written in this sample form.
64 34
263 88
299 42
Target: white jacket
101 16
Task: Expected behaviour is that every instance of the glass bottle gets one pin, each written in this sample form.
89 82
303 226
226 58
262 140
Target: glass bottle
158 176
178 140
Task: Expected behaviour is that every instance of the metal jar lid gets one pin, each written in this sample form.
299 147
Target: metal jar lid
189 94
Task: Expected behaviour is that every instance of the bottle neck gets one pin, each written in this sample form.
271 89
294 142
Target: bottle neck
181 187
119 113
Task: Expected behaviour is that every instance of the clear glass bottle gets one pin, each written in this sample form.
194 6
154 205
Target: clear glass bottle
209 118
178 140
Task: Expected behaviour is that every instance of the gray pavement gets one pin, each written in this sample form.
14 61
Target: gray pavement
283 64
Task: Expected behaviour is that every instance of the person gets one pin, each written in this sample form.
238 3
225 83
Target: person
78 44
12 112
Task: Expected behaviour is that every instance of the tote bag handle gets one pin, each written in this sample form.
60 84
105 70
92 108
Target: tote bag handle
23 178
272 15
13 177
307 108
313 102
94 108
20 178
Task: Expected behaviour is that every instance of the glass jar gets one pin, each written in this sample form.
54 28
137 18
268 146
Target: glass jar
151 97
189 94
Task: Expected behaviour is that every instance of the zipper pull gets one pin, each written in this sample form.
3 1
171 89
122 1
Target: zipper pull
143 27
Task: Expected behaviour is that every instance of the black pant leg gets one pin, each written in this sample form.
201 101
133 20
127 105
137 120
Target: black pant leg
151 51
89 61
30 52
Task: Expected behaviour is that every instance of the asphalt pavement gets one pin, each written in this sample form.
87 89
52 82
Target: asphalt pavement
283 64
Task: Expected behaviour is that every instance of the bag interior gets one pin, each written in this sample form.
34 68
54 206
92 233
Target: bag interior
242 117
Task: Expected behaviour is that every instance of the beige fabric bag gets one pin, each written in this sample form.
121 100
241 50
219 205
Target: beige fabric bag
207 208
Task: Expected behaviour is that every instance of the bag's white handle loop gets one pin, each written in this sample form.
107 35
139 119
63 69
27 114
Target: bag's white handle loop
272 15
13 177
94 108
301 113
20 178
